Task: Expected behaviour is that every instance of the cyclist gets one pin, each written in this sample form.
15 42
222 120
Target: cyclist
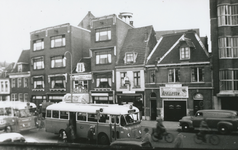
202 129
160 129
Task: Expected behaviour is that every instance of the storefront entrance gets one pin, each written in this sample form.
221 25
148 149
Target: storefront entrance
229 103
174 110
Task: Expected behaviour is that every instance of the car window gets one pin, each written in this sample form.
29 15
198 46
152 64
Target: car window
7 140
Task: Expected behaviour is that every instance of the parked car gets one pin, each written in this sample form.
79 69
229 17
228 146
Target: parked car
130 143
224 121
12 137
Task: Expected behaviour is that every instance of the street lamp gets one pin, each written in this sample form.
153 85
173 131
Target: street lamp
70 73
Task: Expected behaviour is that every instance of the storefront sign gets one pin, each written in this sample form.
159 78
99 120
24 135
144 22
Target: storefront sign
77 98
83 77
174 92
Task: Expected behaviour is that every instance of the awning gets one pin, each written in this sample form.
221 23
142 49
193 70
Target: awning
129 94
99 94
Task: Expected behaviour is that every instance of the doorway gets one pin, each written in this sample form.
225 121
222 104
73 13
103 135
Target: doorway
153 110
174 110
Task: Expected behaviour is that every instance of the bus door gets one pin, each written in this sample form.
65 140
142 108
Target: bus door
72 119
83 124
115 131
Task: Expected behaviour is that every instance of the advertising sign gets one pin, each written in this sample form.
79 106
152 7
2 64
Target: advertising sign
77 98
174 92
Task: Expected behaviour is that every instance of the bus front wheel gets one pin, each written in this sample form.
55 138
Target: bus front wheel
103 139
8 129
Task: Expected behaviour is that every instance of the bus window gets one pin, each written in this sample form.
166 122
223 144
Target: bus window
55 114
113 119
48 113
123 121
8 111
81 116
64 115
2 111
92 117
104 118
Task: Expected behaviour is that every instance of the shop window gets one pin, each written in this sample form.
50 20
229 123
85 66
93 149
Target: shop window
80 86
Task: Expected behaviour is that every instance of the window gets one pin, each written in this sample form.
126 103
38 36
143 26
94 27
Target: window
80 86
136 79
58 82
19 82
130 57
38 63
26 82
14 96
13 83
92 117
81 116
123 75
38 82
64 115
229 80
103 82
103 34
2 86
25 97
55 114
227 15
152 76
80 67
20 97
57 62
197 74
57 41
6 86
174 75
103 57
228 47
48 113
38 45
19 67
184 53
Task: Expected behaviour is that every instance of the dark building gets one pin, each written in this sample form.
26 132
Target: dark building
224 41
178 77
54 53
107 37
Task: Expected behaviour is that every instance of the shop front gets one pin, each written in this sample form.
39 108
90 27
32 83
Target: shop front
174 100
102 97
228 100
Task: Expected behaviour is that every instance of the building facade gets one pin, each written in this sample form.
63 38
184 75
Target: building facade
178 77
54 53
107 37
20 78
224 38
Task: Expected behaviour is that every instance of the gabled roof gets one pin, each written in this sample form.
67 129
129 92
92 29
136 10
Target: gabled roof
24 59
167 49
85 23
136 41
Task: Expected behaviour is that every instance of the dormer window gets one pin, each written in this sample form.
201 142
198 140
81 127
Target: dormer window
80 67
184 53
19 67
130 57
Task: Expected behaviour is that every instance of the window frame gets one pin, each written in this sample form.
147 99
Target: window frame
53 63
227 15
57 79
99 37
122 77
26 81
185 53
35 81
196 72
152 79
13 83
137 79
38 45
175 74
25 97
229 78
99 81
99 57
228 47
54 42
38 63
19 82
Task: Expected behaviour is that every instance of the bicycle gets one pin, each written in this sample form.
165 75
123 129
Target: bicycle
168 137
211 138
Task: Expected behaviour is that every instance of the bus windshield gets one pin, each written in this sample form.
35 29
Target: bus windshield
128 119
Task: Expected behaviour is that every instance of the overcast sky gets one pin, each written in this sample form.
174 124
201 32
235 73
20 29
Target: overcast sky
20 17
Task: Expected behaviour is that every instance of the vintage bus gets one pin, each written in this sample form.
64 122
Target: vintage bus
111 121
16 116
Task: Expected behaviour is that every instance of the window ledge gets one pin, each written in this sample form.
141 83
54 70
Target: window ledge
61 89
136 87
198 82
38 89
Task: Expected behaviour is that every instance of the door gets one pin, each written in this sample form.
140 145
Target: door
197 105
153 109
174 110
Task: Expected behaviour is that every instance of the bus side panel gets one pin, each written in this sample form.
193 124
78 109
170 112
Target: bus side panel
26 123
104 128
55 125
82 128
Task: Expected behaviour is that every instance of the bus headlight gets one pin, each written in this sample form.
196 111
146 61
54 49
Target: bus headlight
128 134
139 131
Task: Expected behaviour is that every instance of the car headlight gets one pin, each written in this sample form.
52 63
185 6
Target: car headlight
139 131
128 134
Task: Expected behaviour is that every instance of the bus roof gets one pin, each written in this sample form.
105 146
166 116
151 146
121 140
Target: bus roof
15 104
114 109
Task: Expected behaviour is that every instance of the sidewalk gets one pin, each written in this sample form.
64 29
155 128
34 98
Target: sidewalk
173 125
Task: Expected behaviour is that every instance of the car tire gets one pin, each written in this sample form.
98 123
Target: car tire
103 139
8 129
223 129
185 127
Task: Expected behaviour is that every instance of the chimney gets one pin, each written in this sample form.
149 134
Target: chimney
126 17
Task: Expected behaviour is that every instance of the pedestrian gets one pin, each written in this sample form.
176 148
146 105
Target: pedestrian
68 133
72 133
91 133
64 137
147 136
179 140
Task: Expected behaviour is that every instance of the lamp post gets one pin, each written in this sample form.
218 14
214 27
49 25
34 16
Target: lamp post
70 73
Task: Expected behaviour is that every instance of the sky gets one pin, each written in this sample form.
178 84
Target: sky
21 17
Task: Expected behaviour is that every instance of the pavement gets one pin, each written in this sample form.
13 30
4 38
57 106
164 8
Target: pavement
169 125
